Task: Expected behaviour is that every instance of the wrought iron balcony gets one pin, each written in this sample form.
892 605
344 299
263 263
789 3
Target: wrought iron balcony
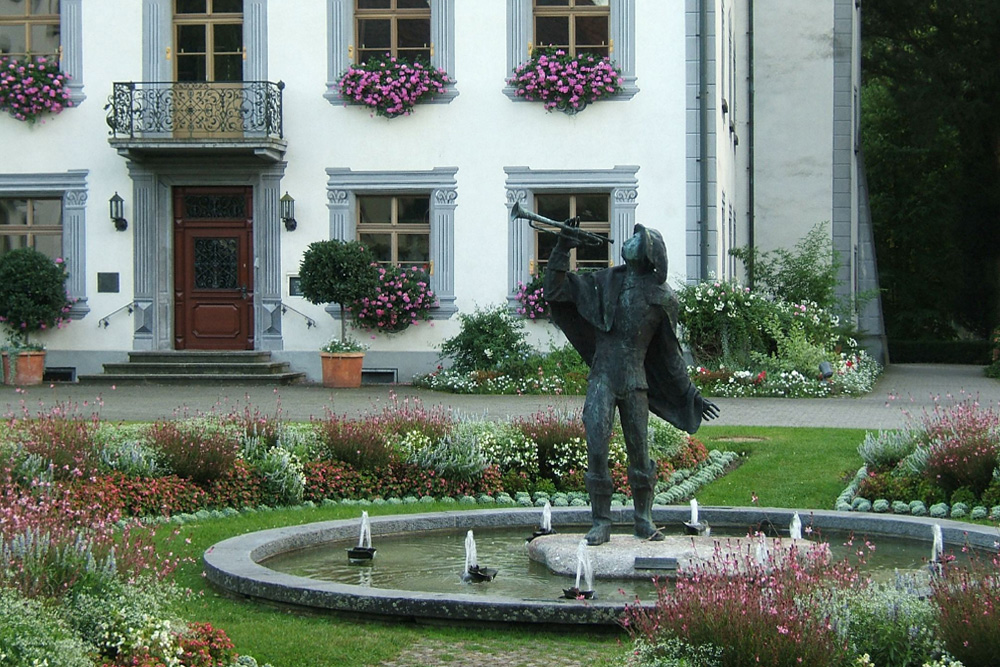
196 111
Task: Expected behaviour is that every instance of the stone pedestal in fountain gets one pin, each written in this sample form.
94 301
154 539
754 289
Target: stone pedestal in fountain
627 557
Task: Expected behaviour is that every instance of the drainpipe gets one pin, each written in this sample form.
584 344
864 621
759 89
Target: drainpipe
704 119
751 168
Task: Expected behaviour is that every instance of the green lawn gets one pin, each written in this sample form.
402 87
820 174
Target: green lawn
786 467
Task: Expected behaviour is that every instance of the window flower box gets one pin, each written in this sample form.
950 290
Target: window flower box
30 87
391 87
563 82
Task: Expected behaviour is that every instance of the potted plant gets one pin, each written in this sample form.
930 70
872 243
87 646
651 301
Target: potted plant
32 298
340 272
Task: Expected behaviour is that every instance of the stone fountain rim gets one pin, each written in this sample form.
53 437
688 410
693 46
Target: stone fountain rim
234 564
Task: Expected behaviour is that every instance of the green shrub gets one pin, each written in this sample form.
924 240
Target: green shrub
673 652
32 293
33 634
284 479
665 440
491 339
456 456
885 449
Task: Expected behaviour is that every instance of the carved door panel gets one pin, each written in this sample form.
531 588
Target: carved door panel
213 269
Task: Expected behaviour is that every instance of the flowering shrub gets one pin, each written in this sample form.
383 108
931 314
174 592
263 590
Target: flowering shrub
32 86
531 298
391 87
360 443
964 443
199 450
403 297
564 82
967 599
62 439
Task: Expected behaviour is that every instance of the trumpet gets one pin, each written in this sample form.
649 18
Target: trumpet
535 220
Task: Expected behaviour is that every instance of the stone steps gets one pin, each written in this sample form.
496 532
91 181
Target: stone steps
197 367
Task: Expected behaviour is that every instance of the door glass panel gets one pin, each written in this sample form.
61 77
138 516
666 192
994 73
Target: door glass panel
215 206
191 38
227 6
190 7
229 68
379 244
216 263
229 38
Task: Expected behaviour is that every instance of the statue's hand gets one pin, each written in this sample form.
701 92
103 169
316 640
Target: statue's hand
570 235
709 410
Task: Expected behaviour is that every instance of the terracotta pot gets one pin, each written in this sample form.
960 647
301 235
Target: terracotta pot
342 369
28 368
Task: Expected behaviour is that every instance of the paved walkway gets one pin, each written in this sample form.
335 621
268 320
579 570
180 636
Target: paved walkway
903 389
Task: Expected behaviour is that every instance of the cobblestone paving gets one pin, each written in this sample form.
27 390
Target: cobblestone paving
436 653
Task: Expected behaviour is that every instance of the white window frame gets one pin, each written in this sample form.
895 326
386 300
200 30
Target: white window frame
520 14
340 46
342 187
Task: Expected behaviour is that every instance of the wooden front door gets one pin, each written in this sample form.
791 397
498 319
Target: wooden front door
213 268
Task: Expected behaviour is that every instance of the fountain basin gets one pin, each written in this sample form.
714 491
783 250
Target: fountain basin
234 564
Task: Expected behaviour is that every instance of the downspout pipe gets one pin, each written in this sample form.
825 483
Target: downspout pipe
704 119
751 168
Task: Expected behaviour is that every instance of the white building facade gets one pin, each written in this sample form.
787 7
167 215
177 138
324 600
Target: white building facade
714 141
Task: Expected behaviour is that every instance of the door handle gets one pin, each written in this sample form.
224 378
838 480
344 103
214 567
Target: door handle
243 292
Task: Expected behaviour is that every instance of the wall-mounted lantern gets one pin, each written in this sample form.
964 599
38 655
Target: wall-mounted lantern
288 212
117 211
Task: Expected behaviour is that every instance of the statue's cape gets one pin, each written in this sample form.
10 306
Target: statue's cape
586 303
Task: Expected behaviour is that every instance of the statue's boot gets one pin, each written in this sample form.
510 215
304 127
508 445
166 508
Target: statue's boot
600 509
643 485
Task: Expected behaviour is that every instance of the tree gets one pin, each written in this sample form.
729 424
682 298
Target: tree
340 272
932 150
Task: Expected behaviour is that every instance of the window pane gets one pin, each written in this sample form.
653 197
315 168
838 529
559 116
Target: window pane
593 255
592 207
228 38
45 39
414 55
191 68
229 68
375 210
591 3
46 212
552 30
555 207
413 4
375 34
552 3
8 243
413 210
191 38
13 212
42 7
190 7
49 245
11 8
12 39
374 4
379 244
413 248
591 31
227 6
413 32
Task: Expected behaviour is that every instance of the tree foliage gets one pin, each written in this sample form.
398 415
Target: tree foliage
932 152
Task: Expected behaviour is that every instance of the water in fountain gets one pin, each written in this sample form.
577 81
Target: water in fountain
760 551
795 527
584 567
365 539
547 518
937 550
471 557
694 512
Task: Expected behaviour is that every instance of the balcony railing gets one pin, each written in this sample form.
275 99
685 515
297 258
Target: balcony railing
196 110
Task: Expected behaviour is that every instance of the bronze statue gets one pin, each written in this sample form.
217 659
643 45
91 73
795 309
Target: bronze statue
622 321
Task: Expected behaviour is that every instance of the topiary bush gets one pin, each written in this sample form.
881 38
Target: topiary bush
340 272
32 293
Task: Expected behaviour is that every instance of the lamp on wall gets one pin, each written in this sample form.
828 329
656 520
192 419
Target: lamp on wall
288 212
117 211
